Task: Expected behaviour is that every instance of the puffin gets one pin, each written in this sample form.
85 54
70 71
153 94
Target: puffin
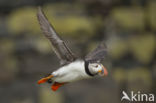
71 67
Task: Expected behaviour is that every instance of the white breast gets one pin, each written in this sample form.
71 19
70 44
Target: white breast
71 72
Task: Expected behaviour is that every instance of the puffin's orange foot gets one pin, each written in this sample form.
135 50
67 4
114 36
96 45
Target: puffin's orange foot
43 80
56 85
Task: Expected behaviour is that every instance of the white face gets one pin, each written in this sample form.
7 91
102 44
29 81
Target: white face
97 68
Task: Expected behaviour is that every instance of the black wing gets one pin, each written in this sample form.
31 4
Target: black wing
98 54
59 46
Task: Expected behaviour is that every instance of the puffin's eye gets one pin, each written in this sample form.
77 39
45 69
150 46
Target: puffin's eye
96 66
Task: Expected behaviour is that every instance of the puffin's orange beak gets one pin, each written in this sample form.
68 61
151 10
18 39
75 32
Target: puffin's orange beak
43 80
103 71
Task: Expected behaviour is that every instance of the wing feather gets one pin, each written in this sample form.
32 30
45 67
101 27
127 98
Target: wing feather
97 54
59 46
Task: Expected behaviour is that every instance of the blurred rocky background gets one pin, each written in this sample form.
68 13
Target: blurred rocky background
127 26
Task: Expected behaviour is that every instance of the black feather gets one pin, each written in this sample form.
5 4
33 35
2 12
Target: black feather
98 54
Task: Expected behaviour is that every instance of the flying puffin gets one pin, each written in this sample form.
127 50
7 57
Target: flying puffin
72 68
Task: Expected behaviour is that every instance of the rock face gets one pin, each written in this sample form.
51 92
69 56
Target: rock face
25 55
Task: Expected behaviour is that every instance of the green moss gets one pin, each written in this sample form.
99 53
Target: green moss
9 62
69 20
129 18
152 14
23 20
7 45
139 79
46 95
118 48
43 46
119 74
66 19
143 47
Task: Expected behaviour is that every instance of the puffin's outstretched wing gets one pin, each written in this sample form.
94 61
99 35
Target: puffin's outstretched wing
59 46
98 54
